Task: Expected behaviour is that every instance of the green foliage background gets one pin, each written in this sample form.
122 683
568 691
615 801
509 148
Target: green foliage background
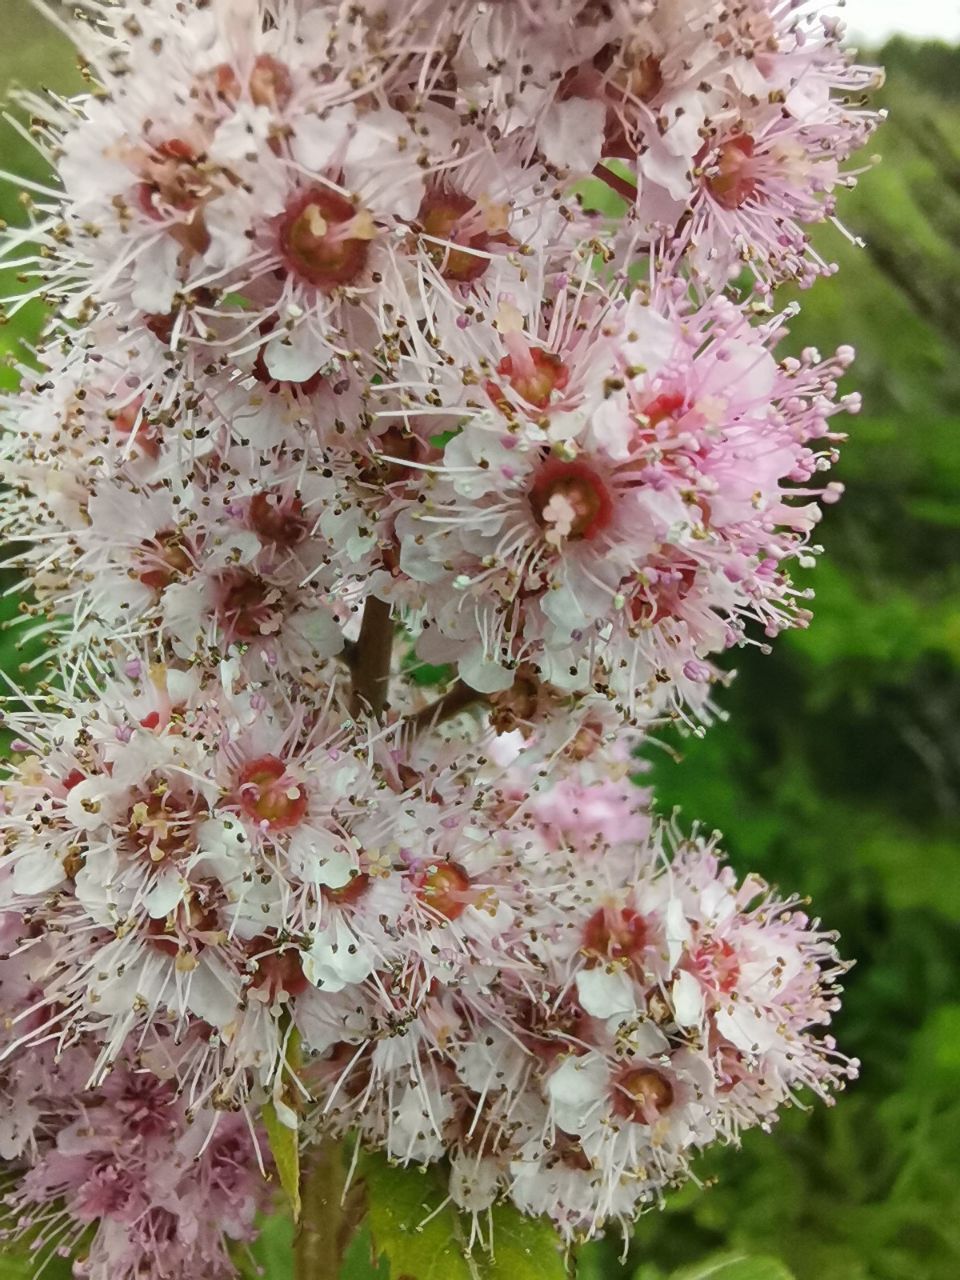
838 772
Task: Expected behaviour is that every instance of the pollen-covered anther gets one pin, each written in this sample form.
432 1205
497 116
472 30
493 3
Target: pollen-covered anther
324 238
570 501
269 795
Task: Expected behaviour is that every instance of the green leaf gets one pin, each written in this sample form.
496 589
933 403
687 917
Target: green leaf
417 1241
284 1141
19 1266
443 439
271 1253
422 1241
358 1263
735 1267
427 676
523 1247
285 1149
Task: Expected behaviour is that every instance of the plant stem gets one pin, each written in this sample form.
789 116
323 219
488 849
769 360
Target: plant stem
329 1217
329 1214
457 698
370 658
615 182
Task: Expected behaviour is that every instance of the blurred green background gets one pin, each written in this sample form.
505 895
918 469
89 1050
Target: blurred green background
838 773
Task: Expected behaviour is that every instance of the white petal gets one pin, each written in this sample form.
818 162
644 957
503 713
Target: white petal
572 135
652 338
483 674
337 958
167 891
677 930
297 356
747 1028
687 1000
606 994
155 277
574 1090
212 994
285 1113
89 804
37 872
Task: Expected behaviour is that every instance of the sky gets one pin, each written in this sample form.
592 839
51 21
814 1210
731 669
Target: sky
875 19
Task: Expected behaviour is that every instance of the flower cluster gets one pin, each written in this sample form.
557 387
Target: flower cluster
128 1177
658 1007
545 985
446 329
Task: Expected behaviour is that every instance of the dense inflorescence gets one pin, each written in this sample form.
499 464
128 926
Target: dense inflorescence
392 335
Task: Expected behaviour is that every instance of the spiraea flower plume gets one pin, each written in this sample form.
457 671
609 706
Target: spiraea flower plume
397 343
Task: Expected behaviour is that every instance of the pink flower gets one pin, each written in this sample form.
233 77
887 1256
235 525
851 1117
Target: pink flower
343 362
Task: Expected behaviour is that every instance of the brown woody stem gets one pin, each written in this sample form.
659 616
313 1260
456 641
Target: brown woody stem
329 1215
613 180
457 698
370 658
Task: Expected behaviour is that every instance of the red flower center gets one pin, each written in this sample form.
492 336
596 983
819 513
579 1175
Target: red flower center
270 84
278 973
350 893
717 964
130 421
325 239
162 825
248 608
161 325
650 605
166 559
172 179
642 1095
534 380
445 887
457 219
664 407
615 934
179 931
731 179
394 449
644 76
276 521
570 501
269 796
